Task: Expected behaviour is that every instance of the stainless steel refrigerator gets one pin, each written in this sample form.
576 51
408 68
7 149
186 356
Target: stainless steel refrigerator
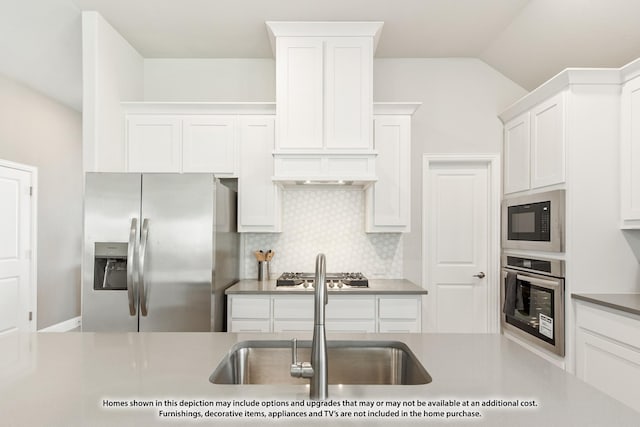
159 251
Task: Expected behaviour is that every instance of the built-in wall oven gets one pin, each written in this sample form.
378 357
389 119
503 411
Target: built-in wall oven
534 222
532 294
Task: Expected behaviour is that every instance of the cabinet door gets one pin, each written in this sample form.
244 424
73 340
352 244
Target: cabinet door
516 154
154 143
548 142
258 196
389 199
209 144
299 89
348 102
608 352
399 313
630 151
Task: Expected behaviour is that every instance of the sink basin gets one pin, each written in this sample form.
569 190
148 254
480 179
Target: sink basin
350 362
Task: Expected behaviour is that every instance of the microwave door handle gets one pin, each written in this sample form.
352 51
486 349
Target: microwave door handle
131 265
535 280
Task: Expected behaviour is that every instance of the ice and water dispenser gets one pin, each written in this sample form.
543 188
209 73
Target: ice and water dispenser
110 266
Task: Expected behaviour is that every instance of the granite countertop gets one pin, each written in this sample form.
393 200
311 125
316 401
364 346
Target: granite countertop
629 303
376 286
66 379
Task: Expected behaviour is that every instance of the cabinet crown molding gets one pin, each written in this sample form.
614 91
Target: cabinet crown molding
562 80
323 29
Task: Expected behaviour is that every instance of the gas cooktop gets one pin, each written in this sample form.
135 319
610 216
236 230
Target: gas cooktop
334 280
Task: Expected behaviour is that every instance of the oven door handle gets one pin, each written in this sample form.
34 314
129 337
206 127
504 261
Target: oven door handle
535 280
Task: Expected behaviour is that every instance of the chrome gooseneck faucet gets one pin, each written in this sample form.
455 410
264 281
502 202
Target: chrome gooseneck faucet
318 369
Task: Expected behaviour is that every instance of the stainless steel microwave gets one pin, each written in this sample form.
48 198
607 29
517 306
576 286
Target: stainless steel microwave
534 222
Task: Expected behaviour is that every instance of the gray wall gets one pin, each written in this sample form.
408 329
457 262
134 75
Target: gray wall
38 131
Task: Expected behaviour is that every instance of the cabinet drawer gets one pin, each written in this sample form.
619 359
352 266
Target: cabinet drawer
293 307
293 326
250 307
249 326
398 308
399 326
350 307
352 326
611 324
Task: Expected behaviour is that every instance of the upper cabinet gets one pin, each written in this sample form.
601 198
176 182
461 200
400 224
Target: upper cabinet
548 142
630 154
324 85
324 93
534 147
517 145
324 100
388 200
182 143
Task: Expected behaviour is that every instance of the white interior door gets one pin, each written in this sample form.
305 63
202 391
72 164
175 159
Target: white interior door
457 246
15 250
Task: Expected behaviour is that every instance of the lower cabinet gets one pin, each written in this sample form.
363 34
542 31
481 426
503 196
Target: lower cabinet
344 313
608 352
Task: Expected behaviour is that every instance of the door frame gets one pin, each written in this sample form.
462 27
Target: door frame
492 161
33 228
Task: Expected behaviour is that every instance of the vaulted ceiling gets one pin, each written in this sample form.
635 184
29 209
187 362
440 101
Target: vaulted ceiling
528 41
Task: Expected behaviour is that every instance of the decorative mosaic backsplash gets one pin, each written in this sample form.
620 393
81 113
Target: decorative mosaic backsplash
330 221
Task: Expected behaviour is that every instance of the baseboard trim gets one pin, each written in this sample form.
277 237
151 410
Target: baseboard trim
65 326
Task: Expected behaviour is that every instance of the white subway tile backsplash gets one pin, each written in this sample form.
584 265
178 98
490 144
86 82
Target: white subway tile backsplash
329 221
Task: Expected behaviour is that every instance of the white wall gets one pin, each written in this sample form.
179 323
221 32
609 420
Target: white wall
112 73
209 80
38 131
461 98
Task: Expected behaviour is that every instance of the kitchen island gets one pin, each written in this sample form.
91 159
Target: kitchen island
81 379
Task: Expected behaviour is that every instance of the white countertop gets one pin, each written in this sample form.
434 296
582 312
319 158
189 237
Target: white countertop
61 379
376 287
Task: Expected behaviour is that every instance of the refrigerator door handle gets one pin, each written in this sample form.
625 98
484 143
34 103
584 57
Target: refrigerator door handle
142 256
131 265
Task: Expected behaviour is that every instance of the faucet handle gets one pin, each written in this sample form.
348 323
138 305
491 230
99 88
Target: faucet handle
294 352
302 369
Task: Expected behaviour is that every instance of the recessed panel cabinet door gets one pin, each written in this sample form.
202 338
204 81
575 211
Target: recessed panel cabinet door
258 196
548 142
154 143
210 144
299 92
348 104
517 139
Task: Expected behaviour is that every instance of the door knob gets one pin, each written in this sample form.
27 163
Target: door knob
479 275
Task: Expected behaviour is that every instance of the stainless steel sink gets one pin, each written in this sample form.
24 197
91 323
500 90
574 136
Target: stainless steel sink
350 362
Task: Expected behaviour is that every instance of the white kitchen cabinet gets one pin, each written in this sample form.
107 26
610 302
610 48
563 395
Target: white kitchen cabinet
535 147
299 92
517 144
548 142
344 313
608 351
324 92
389 198
210 144
182 143
630 154
399 313
154 143
258 197
248 313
